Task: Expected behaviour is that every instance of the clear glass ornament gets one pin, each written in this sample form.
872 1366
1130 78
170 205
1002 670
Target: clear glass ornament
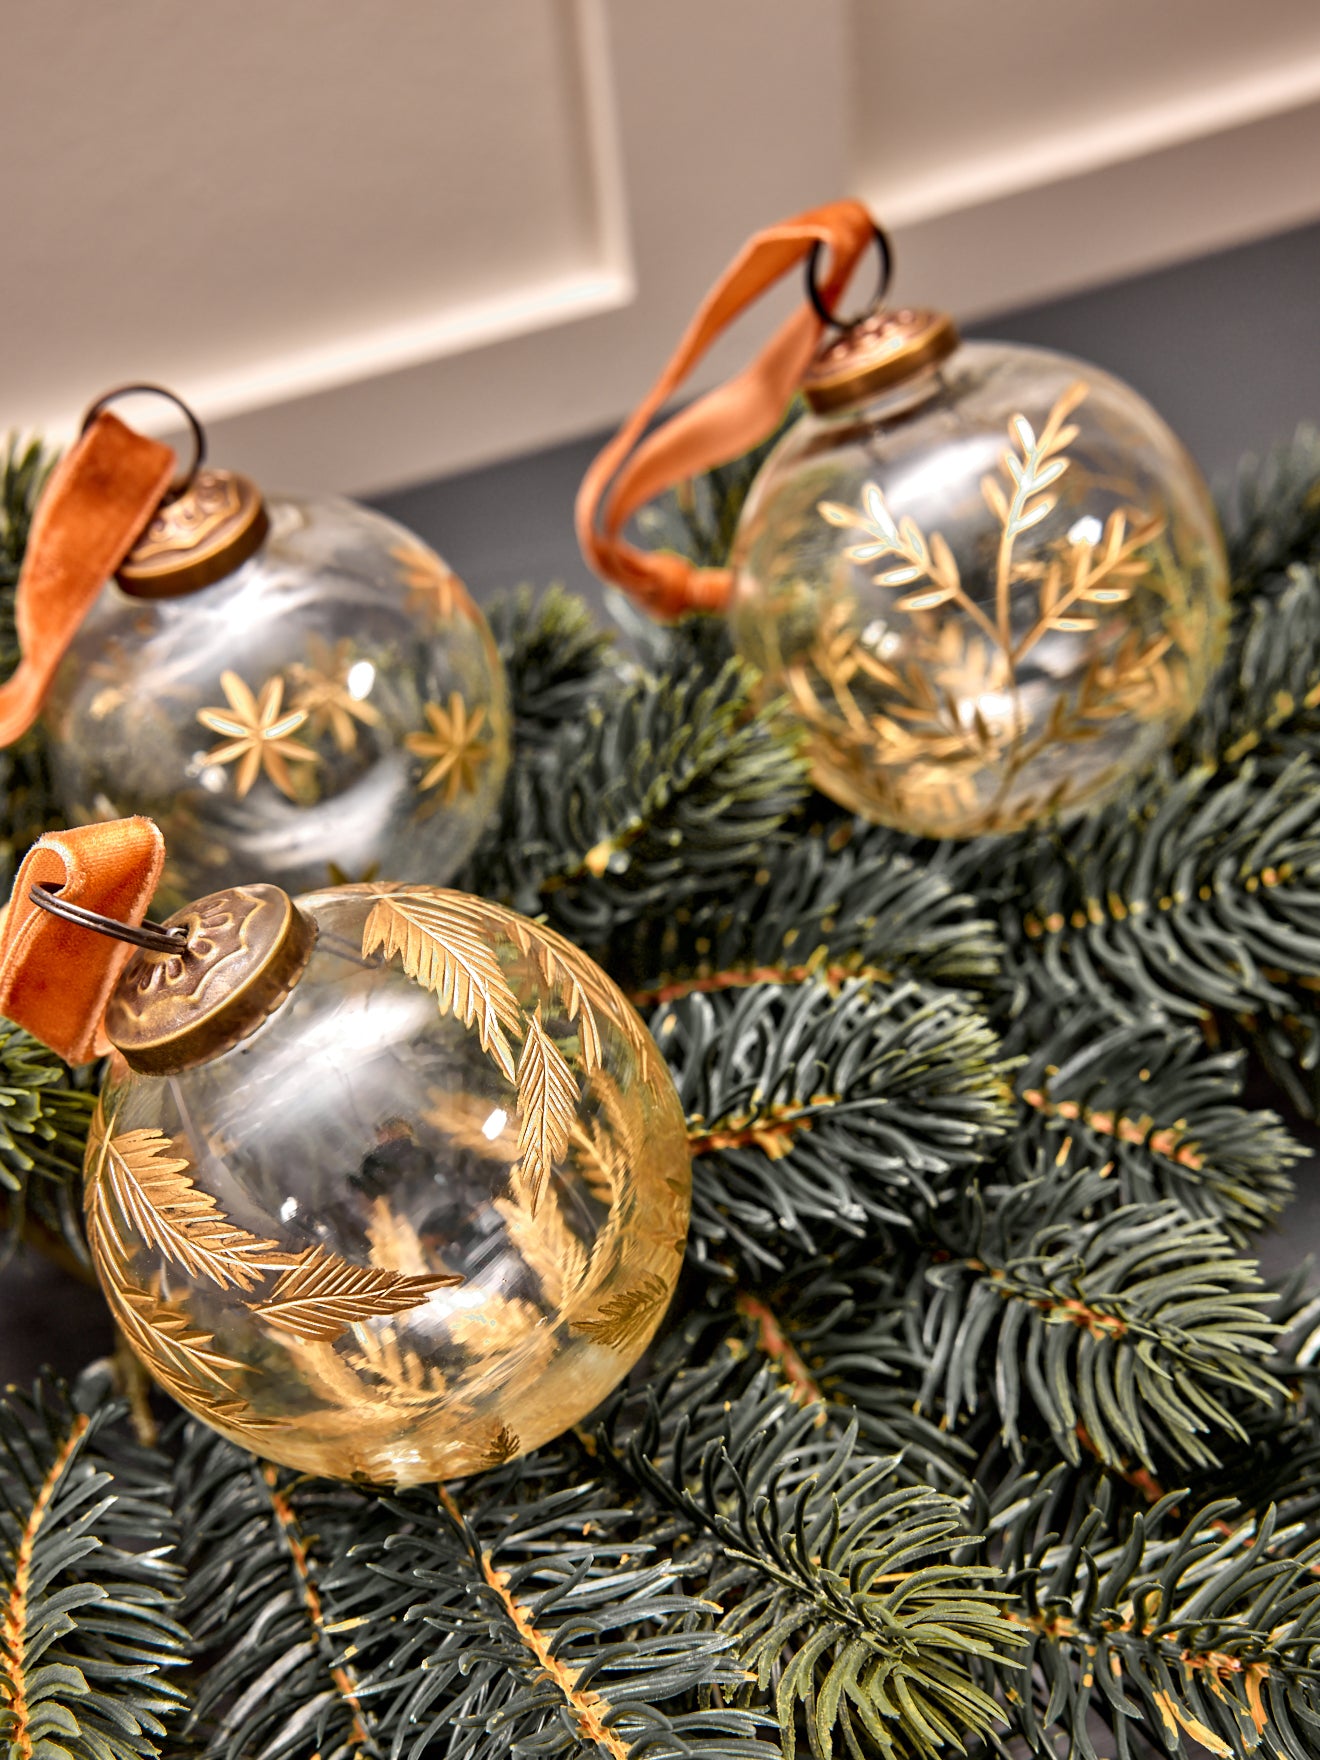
334 708
423 1218
991 590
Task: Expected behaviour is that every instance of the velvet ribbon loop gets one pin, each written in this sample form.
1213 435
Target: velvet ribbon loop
55 977
100 498
723 424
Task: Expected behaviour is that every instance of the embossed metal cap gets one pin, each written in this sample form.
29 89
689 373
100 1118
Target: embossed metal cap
881 351
197 538
246 948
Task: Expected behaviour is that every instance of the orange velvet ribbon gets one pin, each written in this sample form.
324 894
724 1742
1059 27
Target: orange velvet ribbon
721 425
100 498
56 978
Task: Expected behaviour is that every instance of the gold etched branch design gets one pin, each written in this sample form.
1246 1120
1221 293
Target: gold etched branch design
447 956
154 1193
323 1295
930 563
1031 477
441 939
924 718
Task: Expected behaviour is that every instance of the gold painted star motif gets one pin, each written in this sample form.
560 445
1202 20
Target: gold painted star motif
432 585
256 734
324 691
454 745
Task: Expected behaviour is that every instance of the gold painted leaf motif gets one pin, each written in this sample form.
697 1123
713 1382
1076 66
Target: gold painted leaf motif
547 1244
323 1295
503 1446
448 956
547 1106
153 1192
624 1318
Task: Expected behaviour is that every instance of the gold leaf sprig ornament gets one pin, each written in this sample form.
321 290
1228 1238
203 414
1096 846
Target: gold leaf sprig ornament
988 579
293 686
385 1182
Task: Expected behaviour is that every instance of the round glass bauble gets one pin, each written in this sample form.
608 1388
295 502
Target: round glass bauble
991 591
423 1218
334 708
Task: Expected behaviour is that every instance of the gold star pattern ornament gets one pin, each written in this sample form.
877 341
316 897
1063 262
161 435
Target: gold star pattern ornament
432 585
456 747
305 635
257 734
325 691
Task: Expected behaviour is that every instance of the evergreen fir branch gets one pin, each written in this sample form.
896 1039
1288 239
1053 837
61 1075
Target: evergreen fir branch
1271 511
1192 896
44 1116
24 468
526 1613
667 790
812 1112
829 1570
556 661
1144 1103
823 1339
1204 1636
811 908
1265 699
1138 1327
87 1601
25 782
270 1680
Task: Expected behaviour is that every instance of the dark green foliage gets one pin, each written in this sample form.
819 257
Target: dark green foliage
87 1591
863 907
43 1128
840 1597
1147 1101
819 1111
24 468
1272 512
556 661
1134 1328
973 1426
665 792
1161 1626
25 786
699 518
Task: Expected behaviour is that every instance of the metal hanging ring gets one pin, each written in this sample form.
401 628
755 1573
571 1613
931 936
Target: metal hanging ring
886 254
152 936
189 477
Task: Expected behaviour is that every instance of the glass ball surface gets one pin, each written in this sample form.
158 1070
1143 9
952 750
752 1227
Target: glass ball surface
413 1225
333 709
991 592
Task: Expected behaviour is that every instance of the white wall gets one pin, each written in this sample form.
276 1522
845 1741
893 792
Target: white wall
377 242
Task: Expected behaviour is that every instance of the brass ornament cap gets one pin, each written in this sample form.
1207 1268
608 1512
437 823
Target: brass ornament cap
197 538
876 354
246 948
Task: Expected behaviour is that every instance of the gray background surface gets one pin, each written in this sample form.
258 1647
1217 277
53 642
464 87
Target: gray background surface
1227 347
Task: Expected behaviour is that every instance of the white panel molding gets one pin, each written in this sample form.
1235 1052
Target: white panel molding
1209 192
702 129
666 133
1083 145
543 303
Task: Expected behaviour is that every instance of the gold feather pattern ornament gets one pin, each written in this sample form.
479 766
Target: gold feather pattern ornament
988 580
420 1222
